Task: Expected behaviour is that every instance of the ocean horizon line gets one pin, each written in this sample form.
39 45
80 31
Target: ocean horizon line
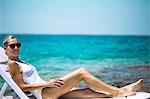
79 34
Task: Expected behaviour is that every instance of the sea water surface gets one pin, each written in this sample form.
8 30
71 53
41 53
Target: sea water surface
57 55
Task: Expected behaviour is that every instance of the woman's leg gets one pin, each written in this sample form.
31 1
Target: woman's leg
74 78
84 93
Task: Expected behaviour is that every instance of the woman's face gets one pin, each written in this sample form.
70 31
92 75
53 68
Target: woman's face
13 47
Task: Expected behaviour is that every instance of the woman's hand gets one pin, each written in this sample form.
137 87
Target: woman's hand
55 83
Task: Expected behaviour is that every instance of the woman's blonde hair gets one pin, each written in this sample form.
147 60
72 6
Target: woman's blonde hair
5 41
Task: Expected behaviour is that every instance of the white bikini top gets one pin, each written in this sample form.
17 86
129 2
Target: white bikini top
29 72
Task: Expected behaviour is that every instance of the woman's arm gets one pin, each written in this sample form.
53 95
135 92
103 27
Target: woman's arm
17 77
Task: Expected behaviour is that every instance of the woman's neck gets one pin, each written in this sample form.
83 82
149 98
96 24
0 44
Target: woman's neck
14 58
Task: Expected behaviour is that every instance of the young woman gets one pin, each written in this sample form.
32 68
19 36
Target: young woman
27 78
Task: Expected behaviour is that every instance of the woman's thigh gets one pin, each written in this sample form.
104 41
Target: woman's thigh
70 80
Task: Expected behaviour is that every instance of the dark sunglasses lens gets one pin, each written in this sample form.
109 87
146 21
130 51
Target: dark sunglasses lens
12 46
18 45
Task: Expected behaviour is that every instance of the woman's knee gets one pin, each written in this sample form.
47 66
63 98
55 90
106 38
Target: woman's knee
83 72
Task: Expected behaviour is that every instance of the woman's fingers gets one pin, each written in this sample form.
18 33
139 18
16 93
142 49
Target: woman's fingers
55 83
59 82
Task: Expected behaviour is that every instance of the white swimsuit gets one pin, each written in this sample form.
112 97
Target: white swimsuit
30 76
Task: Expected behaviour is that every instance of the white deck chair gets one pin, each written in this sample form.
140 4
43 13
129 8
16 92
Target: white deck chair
9 81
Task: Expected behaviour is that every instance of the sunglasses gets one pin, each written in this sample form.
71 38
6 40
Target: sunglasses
12 46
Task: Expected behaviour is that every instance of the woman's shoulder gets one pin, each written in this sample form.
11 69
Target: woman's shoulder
14 67
13 64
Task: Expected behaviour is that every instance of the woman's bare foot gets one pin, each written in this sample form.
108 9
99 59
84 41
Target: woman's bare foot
130 89
123 93
134 86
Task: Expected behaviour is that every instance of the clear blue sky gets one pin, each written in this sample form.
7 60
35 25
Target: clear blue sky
75 16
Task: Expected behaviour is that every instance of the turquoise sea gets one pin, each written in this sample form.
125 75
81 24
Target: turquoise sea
57 55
